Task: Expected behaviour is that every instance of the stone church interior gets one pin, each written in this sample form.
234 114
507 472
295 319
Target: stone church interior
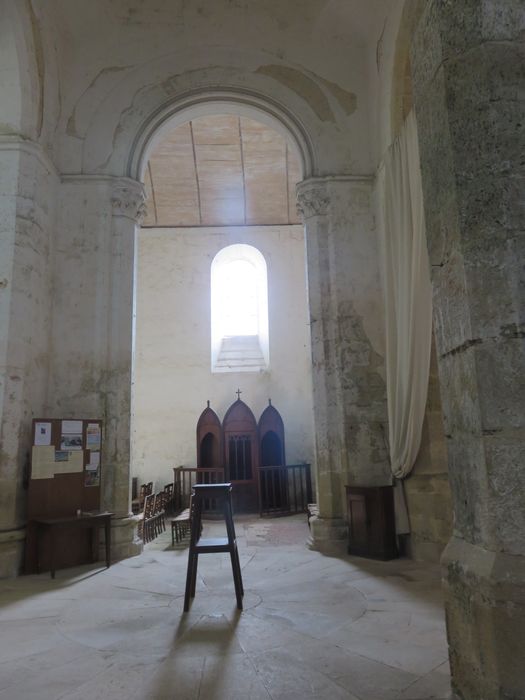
277 246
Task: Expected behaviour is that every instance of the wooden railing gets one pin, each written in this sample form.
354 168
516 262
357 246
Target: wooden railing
284 489
281 490
184 478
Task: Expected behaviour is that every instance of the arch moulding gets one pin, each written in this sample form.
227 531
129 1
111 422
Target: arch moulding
191 106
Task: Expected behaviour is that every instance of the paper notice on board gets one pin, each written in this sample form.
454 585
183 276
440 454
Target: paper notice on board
43 462
71 426
71 441
71 438
42 433
94 461
92 478
93 436
46 462
74 463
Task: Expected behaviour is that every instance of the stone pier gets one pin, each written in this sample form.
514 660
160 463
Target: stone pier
468 68
346 334
93 326
28 182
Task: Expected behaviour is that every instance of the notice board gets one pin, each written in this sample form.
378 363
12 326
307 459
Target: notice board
65 477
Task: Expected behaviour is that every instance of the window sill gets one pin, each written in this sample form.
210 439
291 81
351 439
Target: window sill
240 353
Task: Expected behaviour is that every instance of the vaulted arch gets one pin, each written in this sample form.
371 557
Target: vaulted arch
245 104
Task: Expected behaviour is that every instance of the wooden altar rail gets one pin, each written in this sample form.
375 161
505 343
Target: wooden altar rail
281 490
284 489
184 478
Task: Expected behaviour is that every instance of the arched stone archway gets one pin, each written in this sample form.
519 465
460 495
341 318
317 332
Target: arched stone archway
346 311
107 210
188 107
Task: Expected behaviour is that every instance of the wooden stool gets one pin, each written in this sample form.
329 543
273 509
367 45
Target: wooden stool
222 495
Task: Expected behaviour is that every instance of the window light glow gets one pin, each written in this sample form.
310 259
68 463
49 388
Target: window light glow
237 296
239 309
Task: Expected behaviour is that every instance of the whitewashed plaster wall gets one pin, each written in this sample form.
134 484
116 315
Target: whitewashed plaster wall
172 375
120 62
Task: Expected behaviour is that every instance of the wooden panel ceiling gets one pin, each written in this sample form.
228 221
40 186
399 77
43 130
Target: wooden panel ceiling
222 170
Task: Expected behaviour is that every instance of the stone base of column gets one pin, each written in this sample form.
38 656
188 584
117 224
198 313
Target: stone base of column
11 552
485 611
124 540
329 535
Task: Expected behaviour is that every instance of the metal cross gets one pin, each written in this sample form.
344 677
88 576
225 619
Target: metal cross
238 392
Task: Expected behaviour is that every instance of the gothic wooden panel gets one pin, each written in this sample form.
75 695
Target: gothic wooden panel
209 440
241 455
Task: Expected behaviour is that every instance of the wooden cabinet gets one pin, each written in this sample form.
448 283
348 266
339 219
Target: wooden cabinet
371 522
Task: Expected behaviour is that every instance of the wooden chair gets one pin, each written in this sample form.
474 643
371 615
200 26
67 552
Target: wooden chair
181 523
159 521
168 490
145 490
148 518
137 498
141 528
135 505
198 545
148 489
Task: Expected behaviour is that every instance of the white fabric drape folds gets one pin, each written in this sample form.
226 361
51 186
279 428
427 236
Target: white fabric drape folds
408 297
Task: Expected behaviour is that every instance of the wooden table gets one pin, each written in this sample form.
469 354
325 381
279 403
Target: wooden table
85 521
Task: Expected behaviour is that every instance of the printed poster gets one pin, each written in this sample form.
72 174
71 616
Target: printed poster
93 436
42 434
71 438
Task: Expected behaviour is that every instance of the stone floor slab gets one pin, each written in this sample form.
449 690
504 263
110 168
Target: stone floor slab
313 626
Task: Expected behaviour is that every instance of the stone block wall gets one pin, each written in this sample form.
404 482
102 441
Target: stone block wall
427 489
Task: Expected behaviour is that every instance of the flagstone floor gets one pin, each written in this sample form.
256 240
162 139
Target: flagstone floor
313 626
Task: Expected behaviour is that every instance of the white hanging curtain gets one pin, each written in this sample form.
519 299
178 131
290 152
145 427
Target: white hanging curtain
408 301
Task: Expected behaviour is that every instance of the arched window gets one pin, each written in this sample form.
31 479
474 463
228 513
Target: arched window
239 310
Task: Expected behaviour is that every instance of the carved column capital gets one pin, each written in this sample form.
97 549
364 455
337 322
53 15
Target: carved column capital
313 199
129 200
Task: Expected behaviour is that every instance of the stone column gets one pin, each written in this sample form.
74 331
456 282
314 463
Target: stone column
346 333
93 326
28 182
468 71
